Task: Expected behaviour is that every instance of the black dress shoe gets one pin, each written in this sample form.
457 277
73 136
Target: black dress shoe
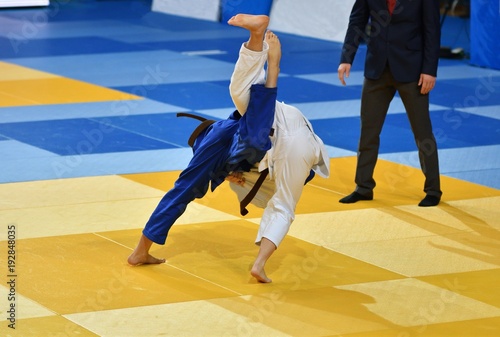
429 200
354 197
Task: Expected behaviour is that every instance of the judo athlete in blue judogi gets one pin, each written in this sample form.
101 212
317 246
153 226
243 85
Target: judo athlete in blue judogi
234 144
261 134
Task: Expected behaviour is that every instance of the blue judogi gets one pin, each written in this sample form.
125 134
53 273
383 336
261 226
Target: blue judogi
233 144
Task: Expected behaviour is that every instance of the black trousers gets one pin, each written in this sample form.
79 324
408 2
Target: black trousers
375 99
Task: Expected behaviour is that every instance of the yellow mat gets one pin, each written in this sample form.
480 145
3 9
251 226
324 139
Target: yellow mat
377 268
21 86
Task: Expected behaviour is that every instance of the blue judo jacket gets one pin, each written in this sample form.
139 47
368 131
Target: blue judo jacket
233 144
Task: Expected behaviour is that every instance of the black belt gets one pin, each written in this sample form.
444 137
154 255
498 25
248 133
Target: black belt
199 129
246 200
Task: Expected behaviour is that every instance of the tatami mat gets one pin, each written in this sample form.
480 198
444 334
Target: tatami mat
379 268
90 142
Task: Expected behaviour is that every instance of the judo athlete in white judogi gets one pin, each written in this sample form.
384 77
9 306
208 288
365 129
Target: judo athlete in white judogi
261 134
295 151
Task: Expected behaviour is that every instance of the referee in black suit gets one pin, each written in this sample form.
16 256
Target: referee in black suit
403 47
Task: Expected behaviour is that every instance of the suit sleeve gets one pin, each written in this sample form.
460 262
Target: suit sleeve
432 36
358 20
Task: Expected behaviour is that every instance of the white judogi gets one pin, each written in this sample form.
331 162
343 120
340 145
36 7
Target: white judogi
295 151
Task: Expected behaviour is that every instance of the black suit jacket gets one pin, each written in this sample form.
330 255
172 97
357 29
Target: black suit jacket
409 40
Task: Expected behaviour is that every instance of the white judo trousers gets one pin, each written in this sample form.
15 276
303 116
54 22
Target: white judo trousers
295 151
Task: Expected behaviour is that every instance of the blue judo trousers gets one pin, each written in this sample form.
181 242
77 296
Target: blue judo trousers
234 144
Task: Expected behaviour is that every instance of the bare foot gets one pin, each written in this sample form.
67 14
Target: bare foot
253 23
274 54
137 260
273 59
260 274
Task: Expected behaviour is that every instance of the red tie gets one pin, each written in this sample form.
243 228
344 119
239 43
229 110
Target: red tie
391 4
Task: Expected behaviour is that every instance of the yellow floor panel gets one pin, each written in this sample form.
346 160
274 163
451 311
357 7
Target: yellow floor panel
486 327
21 86
97 216
24 307
475 284
223 198
410 302
87 272
189 319
34 87
378 309
318 312
322 195
396 185
79 218
381 224
481 214
379 268
14 72
161 180
364 225
455 239
86 205
422 256
223 253
313 312
46 326
45 193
